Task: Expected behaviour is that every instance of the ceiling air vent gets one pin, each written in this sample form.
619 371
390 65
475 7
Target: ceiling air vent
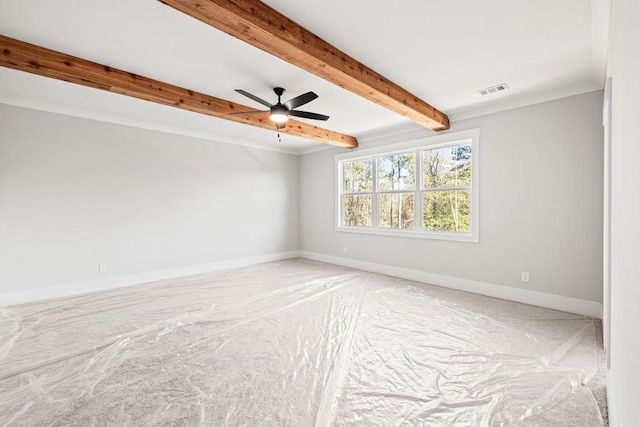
493 89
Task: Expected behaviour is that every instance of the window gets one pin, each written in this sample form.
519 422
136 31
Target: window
357 193
396 186
425 188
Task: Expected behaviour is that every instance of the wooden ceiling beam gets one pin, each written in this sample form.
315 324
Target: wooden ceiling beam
254 22
29 58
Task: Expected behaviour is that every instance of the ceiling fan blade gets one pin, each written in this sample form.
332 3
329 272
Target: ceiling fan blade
300 100
308 115
255 98
250 112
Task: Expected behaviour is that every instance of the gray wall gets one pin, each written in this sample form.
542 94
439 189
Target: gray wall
75 193
541 180
624 69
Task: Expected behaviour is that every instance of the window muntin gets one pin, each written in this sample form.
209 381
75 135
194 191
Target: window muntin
427 190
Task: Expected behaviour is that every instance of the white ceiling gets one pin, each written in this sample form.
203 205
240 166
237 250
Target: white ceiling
441 51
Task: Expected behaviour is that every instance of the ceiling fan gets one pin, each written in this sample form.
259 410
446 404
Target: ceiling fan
280 112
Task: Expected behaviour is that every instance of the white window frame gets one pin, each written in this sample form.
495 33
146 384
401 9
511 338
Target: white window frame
470 136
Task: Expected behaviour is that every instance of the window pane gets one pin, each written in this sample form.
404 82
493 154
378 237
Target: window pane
357 210
447 167
447 211
396 210
357 176
397 172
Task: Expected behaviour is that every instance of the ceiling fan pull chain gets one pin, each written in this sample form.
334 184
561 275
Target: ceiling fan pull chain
279 139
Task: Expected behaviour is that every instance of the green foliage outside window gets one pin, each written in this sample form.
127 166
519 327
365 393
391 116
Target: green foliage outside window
442 168
443 194
447 211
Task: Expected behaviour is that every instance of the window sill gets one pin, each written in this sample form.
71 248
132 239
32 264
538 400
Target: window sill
432 235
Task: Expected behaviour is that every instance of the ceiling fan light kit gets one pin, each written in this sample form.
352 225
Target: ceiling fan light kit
279 114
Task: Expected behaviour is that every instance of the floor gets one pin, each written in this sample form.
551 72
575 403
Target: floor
297 343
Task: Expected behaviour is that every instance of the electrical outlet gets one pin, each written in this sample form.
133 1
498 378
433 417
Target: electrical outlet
344 250
102 268
525 276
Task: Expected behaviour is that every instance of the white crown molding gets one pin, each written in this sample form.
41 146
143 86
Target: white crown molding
398 133
34 104
524 101
410 130
393 131
316 148
555 302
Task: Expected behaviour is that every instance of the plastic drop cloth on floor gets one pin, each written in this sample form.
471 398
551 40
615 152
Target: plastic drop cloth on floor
295 343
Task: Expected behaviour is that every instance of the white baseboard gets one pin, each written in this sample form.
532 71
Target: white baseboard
77 288
556 302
